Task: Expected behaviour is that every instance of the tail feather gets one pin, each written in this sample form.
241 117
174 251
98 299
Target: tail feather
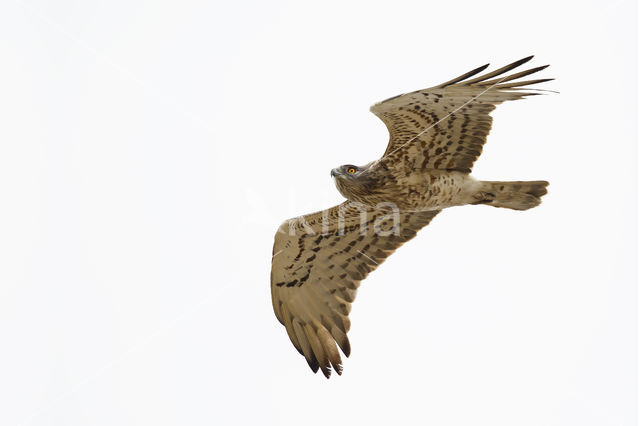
519 195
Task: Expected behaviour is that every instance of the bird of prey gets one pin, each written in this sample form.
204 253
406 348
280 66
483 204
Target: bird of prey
436 135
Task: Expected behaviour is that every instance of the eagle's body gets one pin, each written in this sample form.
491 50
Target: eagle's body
427 189
435 136
415 191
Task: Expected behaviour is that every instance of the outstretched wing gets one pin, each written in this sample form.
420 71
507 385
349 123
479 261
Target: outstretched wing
445 127
317 265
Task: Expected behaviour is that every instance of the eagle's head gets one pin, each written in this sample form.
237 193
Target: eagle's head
347 171
353 182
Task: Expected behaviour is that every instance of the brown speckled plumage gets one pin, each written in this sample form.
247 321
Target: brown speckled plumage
436 135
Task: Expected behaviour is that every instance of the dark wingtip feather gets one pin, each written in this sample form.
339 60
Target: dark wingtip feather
521 84
512 77
313 364
338 369
499 71
522 61
346 348
464 76
326 371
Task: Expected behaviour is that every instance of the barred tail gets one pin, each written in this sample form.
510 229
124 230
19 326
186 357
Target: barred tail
512 195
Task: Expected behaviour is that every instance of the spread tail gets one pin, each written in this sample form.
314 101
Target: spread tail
512 195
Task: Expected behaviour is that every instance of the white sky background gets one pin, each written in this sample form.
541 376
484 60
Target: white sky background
149 151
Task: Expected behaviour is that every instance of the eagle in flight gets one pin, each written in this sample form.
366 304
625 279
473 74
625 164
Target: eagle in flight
436 135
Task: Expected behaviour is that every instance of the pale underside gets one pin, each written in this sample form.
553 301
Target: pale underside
320 258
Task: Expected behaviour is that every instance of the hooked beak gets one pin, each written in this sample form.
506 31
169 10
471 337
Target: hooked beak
334 172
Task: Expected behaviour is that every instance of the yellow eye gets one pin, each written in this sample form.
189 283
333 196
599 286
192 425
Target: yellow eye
351 170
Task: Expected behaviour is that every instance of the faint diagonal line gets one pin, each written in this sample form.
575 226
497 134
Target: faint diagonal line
78 41
368 257
277 253
449 114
